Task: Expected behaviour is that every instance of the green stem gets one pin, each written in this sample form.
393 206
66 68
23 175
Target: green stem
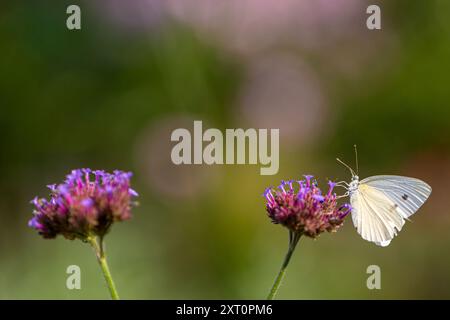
101 258
293 240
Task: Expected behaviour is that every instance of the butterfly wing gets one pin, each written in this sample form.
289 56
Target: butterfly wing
408 193
374 216
382 203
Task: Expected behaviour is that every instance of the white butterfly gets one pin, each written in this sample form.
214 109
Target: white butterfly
381 204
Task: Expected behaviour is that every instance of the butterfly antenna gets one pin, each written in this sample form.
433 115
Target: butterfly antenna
356 159
346 165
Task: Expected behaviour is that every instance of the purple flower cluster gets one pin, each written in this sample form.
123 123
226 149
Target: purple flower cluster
303 209
82 207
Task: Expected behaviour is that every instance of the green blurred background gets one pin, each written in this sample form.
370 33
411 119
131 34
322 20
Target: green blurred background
109 95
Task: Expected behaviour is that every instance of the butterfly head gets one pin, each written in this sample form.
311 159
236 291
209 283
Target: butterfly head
353 185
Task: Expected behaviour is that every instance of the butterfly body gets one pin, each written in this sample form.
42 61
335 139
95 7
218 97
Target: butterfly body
353 185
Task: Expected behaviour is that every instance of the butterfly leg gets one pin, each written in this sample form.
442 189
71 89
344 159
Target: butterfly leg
343 196
342 184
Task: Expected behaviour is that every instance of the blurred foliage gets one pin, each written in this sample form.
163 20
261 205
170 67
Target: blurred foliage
406 106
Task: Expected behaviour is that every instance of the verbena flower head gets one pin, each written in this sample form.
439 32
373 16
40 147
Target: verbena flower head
303 208
86 204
